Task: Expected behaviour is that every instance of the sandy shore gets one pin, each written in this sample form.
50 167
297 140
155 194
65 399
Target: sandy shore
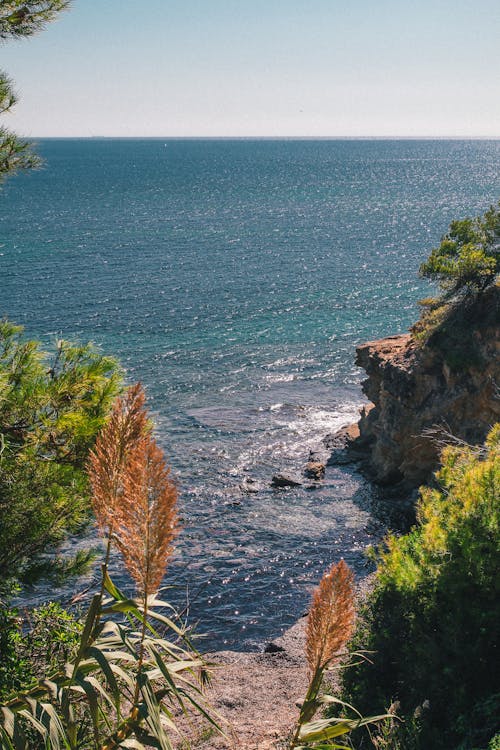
255 694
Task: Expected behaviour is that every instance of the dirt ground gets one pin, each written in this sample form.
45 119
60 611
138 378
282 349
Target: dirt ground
256 694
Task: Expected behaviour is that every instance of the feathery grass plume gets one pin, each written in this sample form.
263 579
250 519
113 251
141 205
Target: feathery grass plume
146 518
125 427
329 627
331 617
145 526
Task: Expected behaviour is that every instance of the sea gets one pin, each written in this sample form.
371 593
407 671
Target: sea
234 279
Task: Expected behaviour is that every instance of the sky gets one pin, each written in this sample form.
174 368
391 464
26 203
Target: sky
315 68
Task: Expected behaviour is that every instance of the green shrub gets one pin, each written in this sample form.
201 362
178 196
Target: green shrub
51 409
33 647
467 259
13 667
432 619
455 329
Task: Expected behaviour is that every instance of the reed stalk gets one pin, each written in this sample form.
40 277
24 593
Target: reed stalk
146 524
126 425
329 627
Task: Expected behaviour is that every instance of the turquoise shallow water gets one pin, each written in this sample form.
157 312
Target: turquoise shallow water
234 278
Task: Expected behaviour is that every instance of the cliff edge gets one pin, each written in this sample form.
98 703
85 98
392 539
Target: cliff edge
422 389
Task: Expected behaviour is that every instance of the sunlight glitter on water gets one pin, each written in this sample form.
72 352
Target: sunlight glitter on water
235 279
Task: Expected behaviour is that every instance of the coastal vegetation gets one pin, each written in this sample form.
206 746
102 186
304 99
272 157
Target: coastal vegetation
51 409
431 621
330 624
125 681
467 259
465 264
124 674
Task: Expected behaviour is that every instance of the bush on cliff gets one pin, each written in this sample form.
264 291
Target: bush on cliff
458 332
468 257
432 619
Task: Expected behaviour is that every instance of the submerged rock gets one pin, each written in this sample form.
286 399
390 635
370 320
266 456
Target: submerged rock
281 480
249 486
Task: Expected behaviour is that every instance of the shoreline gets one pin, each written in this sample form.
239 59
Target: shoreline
245 685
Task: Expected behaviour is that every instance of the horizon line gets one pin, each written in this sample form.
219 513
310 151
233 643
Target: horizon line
271 137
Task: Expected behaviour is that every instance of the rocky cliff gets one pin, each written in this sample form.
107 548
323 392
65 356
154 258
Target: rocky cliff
420 391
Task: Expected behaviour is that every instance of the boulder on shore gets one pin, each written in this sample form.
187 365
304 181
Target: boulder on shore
343 446
315 470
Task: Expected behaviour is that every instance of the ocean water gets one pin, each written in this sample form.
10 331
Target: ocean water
234 279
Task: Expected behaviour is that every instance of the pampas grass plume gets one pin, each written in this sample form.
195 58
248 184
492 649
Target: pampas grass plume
331 617
146 518
125 427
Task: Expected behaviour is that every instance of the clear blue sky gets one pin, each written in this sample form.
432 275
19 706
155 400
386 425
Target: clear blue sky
261 67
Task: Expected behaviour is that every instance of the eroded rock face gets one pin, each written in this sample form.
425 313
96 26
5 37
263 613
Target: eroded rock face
415 389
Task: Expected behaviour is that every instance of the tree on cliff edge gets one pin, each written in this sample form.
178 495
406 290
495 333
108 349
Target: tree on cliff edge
18 19
467 260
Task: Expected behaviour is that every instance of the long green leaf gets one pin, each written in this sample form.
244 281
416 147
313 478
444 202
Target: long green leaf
88 628
101 659
153 718
331 699
110 587
323 730
7 743
55 728
93 704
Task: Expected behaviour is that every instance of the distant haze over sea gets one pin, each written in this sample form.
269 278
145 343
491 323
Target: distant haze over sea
234 278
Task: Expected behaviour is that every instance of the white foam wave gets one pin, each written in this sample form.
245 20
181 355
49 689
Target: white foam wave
280 378
294 434
288 361
276 407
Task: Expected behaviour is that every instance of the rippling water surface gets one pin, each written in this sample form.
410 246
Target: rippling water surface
235 278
